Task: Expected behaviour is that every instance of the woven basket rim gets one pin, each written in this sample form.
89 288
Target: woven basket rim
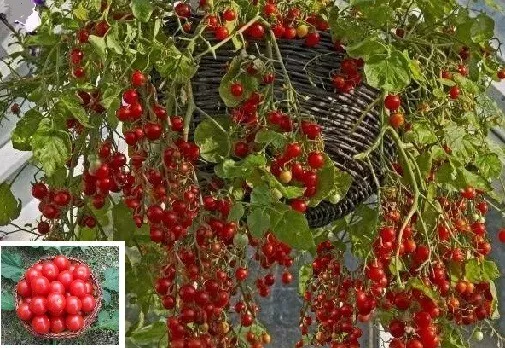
88 319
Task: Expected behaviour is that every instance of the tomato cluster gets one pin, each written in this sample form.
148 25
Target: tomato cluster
56 296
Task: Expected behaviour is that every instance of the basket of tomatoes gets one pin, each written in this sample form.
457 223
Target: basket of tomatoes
330 92
58 298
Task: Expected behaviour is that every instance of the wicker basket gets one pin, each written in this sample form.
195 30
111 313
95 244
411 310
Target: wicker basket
88 319
349 122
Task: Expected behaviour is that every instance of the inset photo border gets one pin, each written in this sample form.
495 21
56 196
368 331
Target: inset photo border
103 322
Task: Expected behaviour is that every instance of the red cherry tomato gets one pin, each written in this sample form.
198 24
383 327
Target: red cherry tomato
65 278
23 288
57 324
78 288
88 303
50 271
39 285
56 303
32 273
74 322
41 324
38 306
56 287
74 305
23 311
81 272
61 262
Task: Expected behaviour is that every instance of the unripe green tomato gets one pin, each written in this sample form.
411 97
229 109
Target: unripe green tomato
240 240
238 193
478 335
276 193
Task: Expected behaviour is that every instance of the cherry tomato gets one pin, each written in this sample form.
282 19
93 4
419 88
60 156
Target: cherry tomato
38 306
57 324
78 288
316 160
138 79
50 271
39 285
41 324
73 305
65 278
82 272
23 311
32 273
88 303
221 33
74 322
56 287
56 302
23 288
61 262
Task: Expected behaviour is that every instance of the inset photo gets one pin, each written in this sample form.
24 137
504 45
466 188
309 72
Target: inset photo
60 294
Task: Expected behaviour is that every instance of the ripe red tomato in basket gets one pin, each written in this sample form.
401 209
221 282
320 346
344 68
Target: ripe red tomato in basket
56 296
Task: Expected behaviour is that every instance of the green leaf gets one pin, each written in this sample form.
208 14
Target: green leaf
22 135
99 45
481 271
213 139
363 231
43 38
108 320
267 137
8 301
87 234
9 206
81 13
417 283
291 227
73 106
51 147
123 224
236 74
304 275
390 72
149 334
258 222
425 163
236 212
142 9
242 169
482 29
367 48
111 282
12 265
172 64
107 297
422 133
490 166
261 196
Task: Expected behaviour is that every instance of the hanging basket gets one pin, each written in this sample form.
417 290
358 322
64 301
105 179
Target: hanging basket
88 319
350 124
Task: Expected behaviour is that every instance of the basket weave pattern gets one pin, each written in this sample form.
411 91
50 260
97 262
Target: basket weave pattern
88 319
350 125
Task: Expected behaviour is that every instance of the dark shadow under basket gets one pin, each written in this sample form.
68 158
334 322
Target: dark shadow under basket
88 319
349 122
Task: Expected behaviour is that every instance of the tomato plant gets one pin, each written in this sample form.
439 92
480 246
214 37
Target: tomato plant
122 73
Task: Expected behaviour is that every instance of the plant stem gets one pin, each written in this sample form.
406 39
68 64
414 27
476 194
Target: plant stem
221 43
413 208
